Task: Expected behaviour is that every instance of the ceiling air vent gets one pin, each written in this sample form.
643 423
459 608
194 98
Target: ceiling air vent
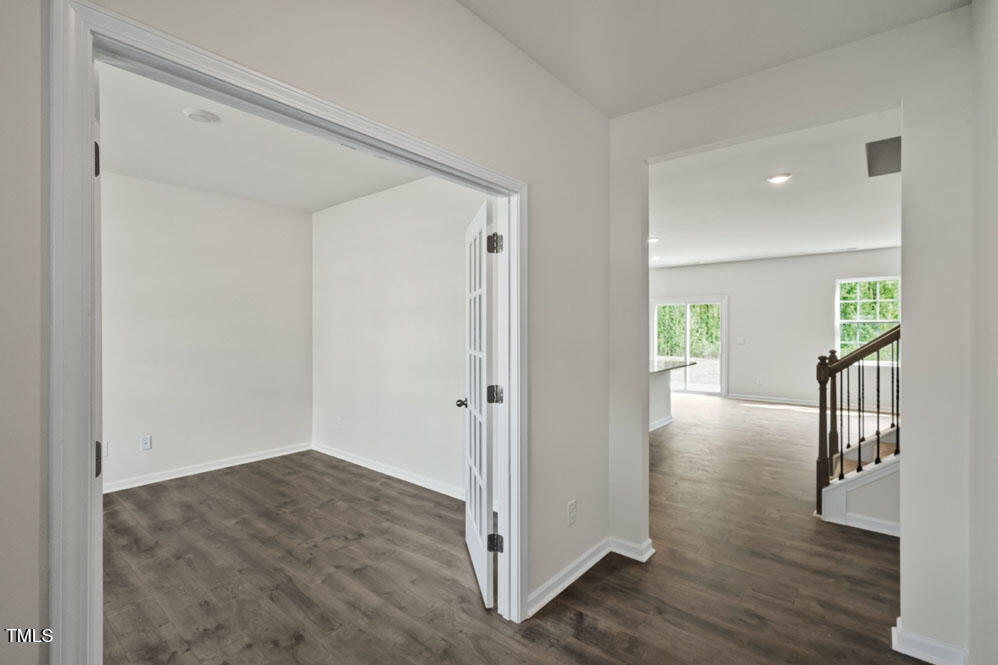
883 157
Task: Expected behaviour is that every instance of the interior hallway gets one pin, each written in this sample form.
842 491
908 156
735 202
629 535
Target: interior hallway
307 559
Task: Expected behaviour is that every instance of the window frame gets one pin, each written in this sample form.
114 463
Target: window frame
838 309
691 300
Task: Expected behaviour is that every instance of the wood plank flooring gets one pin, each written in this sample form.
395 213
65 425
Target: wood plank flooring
306 559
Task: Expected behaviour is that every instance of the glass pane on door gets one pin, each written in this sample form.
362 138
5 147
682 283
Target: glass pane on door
671 339
705 348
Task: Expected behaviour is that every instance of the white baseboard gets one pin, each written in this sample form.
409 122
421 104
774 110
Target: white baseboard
661 422
387 469
394 471
135 481
876 524
772 400
545 593
639 552
866 522
560 580
925 648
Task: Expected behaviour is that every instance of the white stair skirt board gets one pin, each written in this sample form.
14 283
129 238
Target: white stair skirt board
661 422
194 469
870 446
835 503
560 581
454 491
925 648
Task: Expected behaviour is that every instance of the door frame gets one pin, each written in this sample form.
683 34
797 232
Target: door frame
692 300
78 32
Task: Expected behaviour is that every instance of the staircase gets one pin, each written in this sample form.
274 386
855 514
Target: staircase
859 435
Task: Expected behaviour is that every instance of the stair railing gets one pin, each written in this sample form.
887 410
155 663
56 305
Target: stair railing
838 411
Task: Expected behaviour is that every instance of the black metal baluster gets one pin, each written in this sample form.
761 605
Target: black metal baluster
849 407
861 404
842 407
893 363
877 460
861 407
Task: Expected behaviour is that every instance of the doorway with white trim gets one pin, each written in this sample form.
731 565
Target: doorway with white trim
487 292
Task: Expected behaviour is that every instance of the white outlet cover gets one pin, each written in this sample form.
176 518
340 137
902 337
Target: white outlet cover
145 443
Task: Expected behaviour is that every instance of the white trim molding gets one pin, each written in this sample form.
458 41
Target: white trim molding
454 491
926 648
835 497
561 580
875 524
194 469
420 480
639 552
772 400
79 30
661 422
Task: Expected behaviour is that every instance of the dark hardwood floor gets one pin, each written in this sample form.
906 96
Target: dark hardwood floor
306 559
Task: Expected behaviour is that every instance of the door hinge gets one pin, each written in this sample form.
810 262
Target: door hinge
494 543
98 450
493 243
96 159
494 395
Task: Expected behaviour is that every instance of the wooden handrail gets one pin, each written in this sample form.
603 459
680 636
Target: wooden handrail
832 376
874 345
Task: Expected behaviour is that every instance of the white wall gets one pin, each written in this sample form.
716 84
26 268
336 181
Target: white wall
389 329
783 309
927 67
984 457
207 326
22 329
433 69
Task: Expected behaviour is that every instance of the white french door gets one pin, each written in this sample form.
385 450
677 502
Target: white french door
478 491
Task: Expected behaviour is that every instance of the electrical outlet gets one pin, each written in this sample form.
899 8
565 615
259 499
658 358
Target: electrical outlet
572 512
145 443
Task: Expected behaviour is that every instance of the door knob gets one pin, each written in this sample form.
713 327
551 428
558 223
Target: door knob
462 402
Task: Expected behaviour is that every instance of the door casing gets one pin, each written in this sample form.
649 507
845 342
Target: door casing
79 32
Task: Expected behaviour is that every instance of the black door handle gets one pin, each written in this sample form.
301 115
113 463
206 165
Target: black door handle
462 402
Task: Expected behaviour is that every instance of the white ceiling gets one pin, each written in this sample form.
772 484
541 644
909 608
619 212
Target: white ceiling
717 205
145 134
624 55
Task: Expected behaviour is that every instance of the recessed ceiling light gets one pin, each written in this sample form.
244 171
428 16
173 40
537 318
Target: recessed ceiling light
656 258
779 178
200 115
652 241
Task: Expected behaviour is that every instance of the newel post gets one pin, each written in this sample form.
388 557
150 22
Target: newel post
822 466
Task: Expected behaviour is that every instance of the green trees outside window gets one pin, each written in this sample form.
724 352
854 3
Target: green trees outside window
867 308
698 327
